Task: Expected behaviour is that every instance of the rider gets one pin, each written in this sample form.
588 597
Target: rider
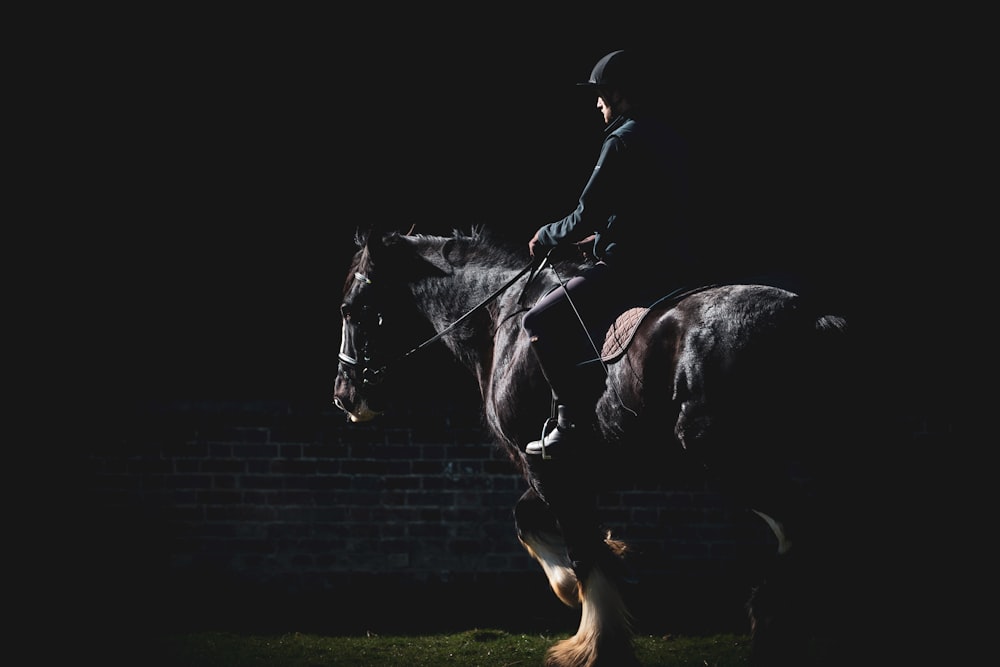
631 219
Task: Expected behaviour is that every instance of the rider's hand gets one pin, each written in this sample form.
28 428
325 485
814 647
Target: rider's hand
584 247
532 243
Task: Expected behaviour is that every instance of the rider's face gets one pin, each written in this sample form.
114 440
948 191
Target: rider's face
605 104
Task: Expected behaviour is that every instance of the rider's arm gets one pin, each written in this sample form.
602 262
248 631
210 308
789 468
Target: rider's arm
595 205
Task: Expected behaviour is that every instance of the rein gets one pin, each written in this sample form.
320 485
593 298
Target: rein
482 304
374 376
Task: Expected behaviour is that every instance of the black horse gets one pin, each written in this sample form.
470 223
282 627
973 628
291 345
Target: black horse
741 382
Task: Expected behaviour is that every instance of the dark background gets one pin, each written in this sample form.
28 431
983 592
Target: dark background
204 174
220 164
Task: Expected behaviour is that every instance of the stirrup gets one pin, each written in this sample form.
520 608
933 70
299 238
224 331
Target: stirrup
546 429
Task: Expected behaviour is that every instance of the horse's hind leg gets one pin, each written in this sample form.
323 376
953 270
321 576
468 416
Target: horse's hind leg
585 576
776 610
786 608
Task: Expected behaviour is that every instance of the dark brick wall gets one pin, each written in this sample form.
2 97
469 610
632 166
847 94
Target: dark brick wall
238 508
282 515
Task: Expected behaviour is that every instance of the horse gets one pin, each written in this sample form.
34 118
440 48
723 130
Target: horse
742 382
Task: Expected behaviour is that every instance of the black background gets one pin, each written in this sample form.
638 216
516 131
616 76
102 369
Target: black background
197 179
218 166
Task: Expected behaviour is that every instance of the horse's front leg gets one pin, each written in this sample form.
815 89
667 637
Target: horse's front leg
539 533
583 566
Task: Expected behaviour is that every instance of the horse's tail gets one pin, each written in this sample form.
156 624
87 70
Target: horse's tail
832 346
829 348
831 369
833 323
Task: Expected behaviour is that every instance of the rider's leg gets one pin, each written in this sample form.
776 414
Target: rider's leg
571 408
557 327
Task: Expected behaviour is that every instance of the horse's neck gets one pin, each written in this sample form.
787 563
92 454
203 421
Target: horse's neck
486 333
453 298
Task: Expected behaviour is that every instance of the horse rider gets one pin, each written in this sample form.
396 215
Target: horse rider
631 220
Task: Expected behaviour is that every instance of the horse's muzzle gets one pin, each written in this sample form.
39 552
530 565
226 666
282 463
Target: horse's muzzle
347 398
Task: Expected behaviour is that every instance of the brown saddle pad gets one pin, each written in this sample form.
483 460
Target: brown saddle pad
621 332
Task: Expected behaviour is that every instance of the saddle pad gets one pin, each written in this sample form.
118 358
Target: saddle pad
621 332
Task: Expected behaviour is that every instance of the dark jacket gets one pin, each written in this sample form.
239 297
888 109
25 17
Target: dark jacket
635 202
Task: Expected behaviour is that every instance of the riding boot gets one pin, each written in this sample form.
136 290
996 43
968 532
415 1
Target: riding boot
568 384
554 439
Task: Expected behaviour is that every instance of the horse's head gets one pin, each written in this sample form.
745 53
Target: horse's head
380 321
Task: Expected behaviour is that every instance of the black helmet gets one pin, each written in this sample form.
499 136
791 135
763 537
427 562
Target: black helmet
614 70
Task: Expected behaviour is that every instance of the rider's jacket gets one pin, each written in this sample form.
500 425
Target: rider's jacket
635 201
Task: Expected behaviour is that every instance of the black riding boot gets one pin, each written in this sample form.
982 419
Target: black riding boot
573 393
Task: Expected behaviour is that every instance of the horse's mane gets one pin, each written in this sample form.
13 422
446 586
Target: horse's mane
478 246
483 260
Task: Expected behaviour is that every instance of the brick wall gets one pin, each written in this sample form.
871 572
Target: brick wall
265 512
281 514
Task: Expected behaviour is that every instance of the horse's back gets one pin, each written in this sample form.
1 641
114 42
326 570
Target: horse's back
724 363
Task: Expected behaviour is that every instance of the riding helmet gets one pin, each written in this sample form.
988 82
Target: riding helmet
614 70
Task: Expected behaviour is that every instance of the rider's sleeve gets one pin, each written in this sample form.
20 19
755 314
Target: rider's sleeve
595 205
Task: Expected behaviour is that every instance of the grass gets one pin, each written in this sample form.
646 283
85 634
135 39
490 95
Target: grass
481 647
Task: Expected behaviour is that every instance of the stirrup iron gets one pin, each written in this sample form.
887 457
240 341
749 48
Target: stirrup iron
545 431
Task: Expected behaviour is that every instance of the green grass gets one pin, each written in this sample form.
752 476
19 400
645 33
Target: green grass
471 648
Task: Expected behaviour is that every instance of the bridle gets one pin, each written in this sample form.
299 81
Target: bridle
371 374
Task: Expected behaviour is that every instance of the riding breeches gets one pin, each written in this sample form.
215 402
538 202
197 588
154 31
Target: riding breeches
567 328
582 304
